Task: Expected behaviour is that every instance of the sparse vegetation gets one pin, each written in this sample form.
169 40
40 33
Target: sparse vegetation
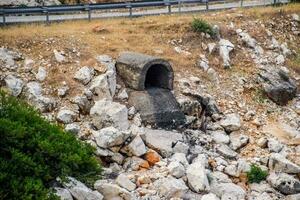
256 174
33 153
201 26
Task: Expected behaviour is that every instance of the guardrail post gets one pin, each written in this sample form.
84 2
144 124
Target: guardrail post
45 10
129 6
242 3
3 17
206 3
179 6
169 6
88 9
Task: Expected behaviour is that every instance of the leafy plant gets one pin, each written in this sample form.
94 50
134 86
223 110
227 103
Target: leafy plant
256 174
201 26
34 152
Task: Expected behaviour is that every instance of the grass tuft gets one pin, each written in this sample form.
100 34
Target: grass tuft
256 174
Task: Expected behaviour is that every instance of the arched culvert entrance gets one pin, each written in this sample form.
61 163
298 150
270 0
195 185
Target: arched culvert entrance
157 76
151 80
139 71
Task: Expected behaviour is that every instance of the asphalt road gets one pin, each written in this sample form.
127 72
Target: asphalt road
136 12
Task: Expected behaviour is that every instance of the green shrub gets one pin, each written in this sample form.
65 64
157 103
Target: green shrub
201 26
33 152
256 174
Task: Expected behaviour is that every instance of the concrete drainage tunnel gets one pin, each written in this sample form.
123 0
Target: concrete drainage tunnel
150 80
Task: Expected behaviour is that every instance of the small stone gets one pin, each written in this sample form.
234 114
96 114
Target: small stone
100 88
279 163
110 137
274 145
62 92
72 128
135 148
220 137
123 181
80 191
112 191
176 169
225 151
262 142
41 74
58 56
161 140
284 183
238 141
170 187
123 95
231 122
197 178
14 85
66 116
85 74
152 157
209 196
63 193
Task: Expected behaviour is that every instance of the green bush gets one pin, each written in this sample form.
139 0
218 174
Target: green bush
256 174
201 26
33 152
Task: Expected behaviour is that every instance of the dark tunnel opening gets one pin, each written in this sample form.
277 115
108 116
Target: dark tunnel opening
157 76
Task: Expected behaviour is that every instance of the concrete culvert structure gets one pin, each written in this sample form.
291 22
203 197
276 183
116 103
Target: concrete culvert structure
151 81
141 71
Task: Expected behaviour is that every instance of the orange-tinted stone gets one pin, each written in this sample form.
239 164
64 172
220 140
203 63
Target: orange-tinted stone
152 157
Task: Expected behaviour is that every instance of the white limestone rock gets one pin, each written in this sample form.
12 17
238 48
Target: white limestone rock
170 187
41 74
225 47
176 169
279 163
85 74
161 140
231 122
80 191
107 113
197 178
66 116
123 181
15 85
135 148
110 137
100 88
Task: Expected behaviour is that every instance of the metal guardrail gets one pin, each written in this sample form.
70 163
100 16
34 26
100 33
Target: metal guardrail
63 9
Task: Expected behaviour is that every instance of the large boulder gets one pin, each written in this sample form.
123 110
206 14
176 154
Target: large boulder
279 163
161 140
278 85
285 183
107 113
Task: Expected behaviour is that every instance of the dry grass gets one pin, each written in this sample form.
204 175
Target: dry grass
150 35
